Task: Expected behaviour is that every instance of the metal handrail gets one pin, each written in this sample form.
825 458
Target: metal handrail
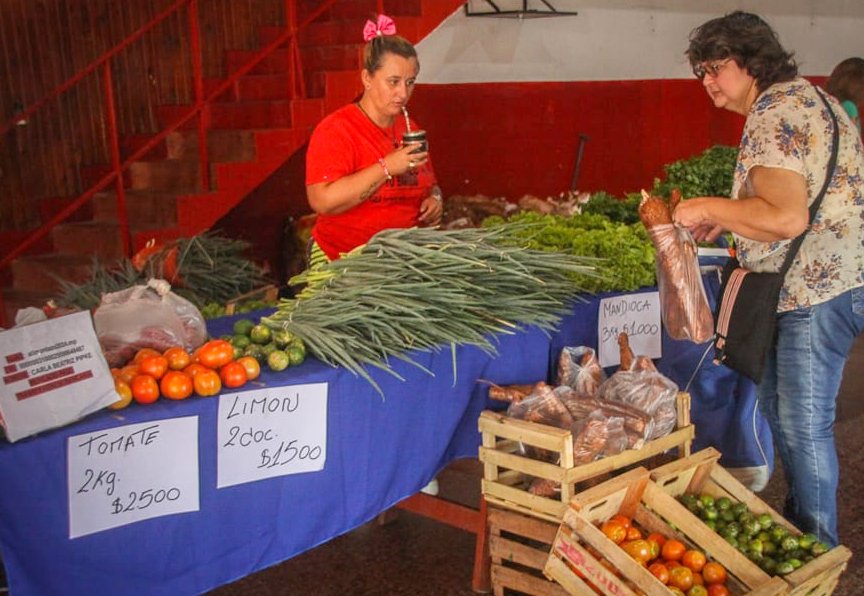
201 106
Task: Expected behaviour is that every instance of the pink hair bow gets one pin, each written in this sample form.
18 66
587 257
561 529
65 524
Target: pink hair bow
384 26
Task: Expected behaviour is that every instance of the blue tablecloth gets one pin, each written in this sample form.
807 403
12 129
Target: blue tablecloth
379 451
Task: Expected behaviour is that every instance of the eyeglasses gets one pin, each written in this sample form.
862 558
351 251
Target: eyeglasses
710 68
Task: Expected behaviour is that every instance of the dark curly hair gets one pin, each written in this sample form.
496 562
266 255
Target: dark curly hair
748 40
380 45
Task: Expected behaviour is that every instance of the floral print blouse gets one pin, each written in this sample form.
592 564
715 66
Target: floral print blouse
788 127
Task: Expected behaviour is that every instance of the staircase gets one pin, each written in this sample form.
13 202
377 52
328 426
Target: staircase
254 129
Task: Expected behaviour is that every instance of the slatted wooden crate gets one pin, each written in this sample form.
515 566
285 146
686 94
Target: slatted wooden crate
580 546
701 473
507 473
519 546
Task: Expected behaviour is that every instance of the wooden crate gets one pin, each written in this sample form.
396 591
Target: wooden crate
580 547
519 546
701 473
506 472
268 293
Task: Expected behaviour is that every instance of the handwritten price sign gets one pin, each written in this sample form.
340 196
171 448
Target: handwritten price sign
637 315
271 432
130 473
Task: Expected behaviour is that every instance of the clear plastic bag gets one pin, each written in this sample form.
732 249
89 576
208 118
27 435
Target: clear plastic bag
579 368
683 304
148 316
648 391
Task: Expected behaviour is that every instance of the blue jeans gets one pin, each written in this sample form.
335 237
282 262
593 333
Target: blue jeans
798 397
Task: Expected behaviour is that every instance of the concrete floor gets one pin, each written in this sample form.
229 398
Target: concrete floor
416 556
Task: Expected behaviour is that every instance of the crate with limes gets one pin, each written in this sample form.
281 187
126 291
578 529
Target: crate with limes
277 349
760 538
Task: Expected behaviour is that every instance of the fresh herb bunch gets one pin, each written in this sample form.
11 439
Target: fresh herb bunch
706 175
426 289
624 251
624 210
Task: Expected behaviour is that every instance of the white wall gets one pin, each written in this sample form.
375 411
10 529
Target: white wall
624 39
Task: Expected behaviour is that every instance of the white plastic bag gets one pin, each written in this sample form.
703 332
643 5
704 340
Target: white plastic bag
148 316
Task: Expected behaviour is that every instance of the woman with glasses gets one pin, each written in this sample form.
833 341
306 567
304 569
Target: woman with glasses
782 164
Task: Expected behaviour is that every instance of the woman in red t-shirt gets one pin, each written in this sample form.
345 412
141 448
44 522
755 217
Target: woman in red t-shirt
360 179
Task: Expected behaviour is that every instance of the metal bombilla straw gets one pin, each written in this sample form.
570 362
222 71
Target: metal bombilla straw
407 121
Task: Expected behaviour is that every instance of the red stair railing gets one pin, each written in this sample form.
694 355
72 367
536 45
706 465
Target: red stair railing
200 108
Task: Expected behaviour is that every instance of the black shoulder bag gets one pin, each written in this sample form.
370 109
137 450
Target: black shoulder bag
747 310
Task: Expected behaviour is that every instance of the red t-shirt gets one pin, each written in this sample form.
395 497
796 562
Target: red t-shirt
343 143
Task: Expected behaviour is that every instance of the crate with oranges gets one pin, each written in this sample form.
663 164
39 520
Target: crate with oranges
717 501
627 536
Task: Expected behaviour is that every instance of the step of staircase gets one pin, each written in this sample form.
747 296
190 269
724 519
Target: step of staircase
101 239
332 57
150 209
176 175
40 273
225 145
296 113
362 9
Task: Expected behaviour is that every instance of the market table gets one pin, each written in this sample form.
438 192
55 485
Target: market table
380 451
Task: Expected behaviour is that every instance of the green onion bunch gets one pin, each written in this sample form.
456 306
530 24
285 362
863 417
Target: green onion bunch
425 289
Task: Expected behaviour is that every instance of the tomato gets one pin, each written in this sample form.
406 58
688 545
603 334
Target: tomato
155 366
659 571
233 375
144 353
673 550
195 368
621 519
681 578
638 549
176 385
697 591
253 369
714 573
718 590
614 531
145 389
207 382
657 537
124 391
693 559
177 358
633 533
128 372
216 353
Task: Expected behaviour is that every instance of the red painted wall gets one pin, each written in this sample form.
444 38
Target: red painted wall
509 139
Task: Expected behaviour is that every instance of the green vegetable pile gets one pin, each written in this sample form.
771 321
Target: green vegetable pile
758 536
210 269
624 210
625 254
425 289
705 175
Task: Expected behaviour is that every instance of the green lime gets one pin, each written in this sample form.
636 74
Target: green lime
243 326
706 500
266 349
739 509
723 503
240 341
260 334
806 541
238 352
256 352
282 338
278 360
789 543
296 355
819 548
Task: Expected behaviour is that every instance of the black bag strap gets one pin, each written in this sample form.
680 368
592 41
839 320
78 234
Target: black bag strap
814 207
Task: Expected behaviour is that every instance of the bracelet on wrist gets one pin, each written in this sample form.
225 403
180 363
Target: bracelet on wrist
383 165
